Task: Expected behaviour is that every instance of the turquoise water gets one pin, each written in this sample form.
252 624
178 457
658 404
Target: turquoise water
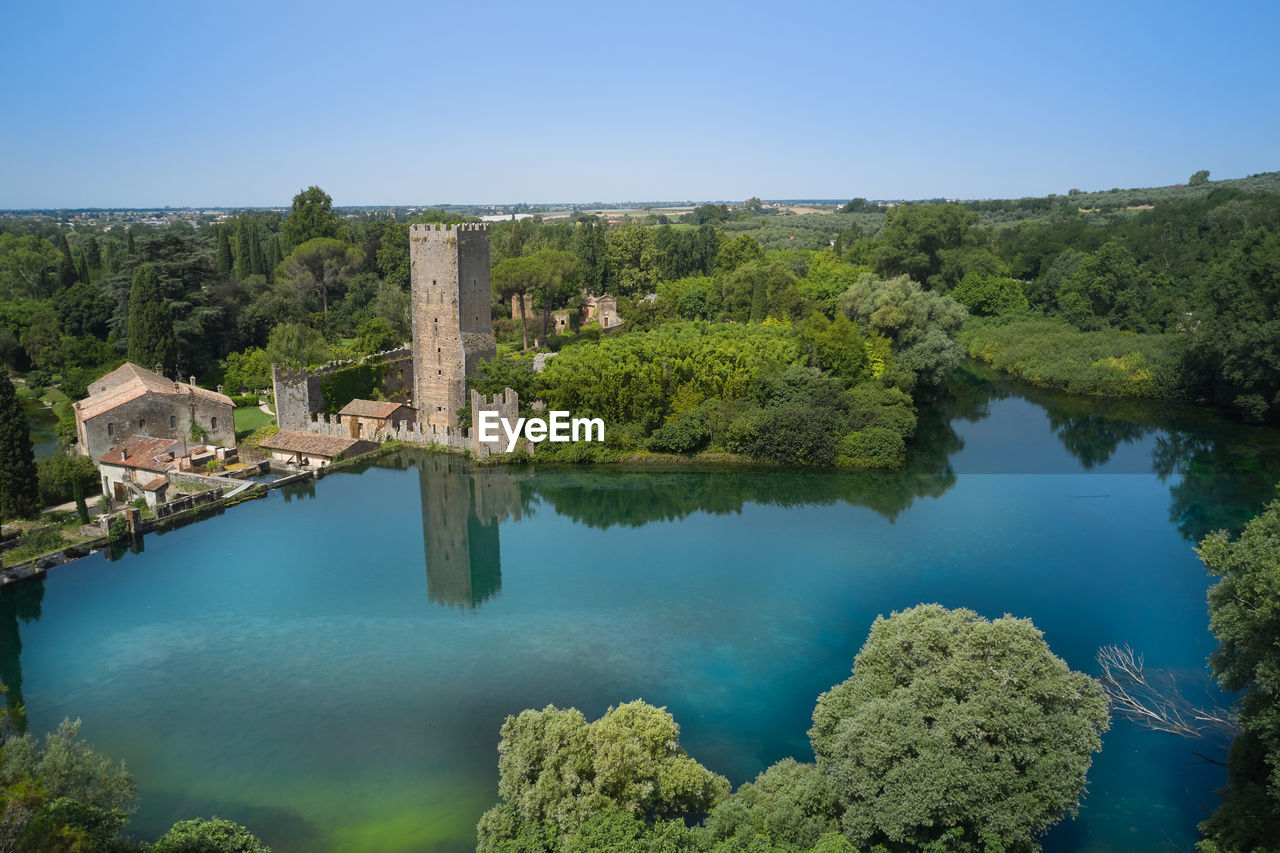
331 665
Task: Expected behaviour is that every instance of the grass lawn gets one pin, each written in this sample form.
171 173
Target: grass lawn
249 418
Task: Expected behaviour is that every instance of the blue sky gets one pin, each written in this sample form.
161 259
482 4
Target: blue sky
227 104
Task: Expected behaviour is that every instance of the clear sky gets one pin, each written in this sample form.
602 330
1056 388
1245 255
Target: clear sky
228 104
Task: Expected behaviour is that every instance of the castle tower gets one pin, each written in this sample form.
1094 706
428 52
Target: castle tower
450 316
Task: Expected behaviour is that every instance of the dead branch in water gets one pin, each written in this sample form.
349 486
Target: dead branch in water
1156 701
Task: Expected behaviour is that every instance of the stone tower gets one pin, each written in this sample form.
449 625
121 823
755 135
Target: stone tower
449 311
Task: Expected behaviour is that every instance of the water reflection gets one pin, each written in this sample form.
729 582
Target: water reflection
19 601
462 507
1225 471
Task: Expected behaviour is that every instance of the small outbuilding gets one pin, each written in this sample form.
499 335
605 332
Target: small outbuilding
307 448
367 417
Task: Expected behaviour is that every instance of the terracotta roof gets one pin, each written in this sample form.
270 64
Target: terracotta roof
155 485
142 452
128 382
296 441
369 409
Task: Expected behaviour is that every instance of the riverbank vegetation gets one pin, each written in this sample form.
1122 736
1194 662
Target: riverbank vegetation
1006 761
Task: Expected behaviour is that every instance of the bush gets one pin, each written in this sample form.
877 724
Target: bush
243 401
874 447
687 432
57 475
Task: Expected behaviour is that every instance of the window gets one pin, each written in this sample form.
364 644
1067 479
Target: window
439 373
173 421
142 424
111 429
213 423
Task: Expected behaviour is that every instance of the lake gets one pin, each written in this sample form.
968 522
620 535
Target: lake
330 665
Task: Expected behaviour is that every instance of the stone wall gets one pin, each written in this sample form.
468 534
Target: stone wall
159 416
298 392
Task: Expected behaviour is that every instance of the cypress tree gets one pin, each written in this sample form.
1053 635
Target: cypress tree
244 261
110 257
223 258
19 488
94 253
66 266
84 269
274 258
151 338
129 241
77 491
257 263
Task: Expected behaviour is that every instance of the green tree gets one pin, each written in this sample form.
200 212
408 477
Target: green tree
296 345
67 273
957 732
1200 177
208 836
985 294
376 335
310 217
244 254
222 257
320 265
1239 325
633 260
68 767
19 485
916 235
556 770
921 324
1244 614
151 335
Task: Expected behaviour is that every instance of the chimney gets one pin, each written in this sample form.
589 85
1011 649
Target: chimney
160 368
124 454
191 380
219 389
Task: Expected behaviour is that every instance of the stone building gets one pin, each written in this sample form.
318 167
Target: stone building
450 315
602 310
367 418
133 401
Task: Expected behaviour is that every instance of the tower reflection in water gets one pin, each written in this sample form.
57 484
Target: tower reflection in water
462 507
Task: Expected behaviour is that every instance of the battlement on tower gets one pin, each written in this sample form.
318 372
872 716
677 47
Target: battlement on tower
422 229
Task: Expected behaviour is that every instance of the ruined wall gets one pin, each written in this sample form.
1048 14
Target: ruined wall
450 315
299 394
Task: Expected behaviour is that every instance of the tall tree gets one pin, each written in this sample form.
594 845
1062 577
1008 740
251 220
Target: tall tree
151 337
311 216
223 260
83 270
19 488
1244 614
94 253
244 255
319 265
257 261
67 272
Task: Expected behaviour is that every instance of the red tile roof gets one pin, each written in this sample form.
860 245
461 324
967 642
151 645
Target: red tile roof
142 452
296 441
369 409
